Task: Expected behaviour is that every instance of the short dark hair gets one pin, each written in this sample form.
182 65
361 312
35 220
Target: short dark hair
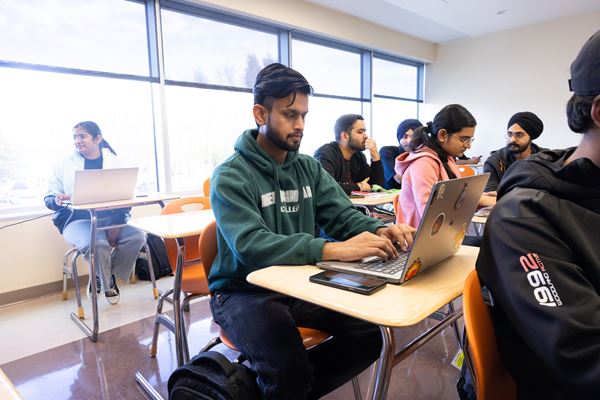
276 81
579 113
344 124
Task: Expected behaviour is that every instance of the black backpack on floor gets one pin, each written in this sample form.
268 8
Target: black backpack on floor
211 376
160 260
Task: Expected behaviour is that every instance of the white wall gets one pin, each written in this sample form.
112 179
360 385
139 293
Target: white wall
496 75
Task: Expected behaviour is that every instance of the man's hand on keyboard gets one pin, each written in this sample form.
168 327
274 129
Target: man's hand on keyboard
362 245
399 233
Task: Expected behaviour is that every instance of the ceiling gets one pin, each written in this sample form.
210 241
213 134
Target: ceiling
443 20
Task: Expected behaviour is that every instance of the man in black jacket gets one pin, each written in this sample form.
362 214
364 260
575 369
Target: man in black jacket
540 256
522 129
344 160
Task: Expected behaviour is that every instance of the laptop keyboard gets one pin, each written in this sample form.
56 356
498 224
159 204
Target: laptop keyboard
390 267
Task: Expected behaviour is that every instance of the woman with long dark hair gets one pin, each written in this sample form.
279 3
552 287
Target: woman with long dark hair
431 157
116 248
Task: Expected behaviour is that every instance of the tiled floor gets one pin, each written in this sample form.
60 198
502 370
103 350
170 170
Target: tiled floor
47 357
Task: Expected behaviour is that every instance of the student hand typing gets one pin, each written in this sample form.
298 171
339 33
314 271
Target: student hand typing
61 198
368 244
398 233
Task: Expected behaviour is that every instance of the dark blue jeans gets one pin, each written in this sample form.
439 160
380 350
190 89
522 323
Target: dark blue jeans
264 327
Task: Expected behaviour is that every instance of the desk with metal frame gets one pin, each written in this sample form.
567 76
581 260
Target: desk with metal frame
93 209
372 199
173 226
394 306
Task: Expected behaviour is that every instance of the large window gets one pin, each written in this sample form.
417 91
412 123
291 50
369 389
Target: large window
98 35
396 96
329 70
37 122
205 51
204 120
43 97
335 75
66 61
203 127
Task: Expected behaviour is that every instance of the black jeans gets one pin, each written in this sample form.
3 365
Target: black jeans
264 327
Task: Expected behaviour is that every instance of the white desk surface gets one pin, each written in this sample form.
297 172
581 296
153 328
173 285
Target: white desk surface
136 201
373 199
172 226
394 306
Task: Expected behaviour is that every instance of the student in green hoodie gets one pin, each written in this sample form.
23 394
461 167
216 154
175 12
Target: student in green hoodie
267 199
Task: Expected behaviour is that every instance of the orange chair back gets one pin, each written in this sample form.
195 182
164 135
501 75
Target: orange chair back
492 379
194 280
207 246
466 171
206 187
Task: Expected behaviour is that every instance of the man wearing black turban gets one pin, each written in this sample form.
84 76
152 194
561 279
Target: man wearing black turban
522 128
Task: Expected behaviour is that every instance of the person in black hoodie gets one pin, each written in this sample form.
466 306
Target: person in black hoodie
344 160
540 256
523 127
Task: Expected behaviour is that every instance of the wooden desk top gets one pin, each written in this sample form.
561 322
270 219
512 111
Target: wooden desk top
136 201
395 305
373 199
172 226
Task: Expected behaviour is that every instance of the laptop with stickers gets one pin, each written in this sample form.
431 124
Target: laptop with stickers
447 215
101 185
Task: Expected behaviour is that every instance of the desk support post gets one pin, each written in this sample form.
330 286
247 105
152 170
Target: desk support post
382 371
180 336
91 333
455 325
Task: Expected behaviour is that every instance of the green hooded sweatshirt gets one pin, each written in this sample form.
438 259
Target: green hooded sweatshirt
266 213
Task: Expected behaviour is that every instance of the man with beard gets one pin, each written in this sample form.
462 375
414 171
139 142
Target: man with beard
344 160
267 198
522 129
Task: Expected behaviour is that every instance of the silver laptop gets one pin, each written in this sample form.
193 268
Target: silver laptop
443 227
100 185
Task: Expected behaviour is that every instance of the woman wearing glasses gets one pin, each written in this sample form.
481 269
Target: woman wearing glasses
431 158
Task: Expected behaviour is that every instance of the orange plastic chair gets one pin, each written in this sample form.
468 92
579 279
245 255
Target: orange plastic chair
193 280
206 187
491 377
310 337
466 171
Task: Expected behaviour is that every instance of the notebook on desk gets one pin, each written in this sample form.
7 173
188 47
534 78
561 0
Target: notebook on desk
101 185
443 227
